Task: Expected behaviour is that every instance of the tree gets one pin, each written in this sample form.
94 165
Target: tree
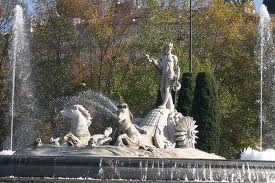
206 112
55 51
225 35
270 6
103 45
186 94
6 10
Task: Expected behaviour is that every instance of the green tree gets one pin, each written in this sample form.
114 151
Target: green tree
225 35
186 94
51 66
206 112
156 24
54 63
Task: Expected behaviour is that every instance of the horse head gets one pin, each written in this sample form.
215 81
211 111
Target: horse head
124 113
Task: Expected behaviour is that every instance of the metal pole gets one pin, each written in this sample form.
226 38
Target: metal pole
261 110
190 33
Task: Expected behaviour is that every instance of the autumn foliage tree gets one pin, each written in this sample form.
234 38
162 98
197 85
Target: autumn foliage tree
103 43
225 35
6 10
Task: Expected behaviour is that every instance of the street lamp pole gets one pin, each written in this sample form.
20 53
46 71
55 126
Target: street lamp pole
190 34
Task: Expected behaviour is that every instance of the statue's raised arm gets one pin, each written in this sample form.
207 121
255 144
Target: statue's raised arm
154 61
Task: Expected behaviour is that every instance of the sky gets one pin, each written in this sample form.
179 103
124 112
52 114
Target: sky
30 6
257 4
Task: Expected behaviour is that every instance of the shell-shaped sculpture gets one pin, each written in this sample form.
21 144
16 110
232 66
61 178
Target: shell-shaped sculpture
186 132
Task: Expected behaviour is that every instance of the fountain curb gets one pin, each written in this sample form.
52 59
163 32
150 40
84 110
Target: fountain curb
138 169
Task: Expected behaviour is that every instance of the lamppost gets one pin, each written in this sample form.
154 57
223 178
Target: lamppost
190 34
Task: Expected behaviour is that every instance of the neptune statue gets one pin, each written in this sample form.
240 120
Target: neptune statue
169 69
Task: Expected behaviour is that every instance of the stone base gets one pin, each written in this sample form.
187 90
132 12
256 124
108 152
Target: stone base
116 151
19 168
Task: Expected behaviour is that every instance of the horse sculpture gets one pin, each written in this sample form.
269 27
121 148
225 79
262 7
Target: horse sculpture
101 139
80 120
131 135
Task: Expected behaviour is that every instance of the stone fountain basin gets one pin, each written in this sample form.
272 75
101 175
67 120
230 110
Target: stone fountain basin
116 151
105 164
122 169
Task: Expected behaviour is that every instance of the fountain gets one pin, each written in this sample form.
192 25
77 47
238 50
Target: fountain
22 101
102 109
159 148
267 69
267 92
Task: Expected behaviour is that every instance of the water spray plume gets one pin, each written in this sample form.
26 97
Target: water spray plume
265 33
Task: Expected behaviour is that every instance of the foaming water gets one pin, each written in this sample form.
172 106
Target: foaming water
6 152
251 154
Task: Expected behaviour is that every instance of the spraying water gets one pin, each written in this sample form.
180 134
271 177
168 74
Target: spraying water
265 30
21 94
102 109
91 98
18 39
